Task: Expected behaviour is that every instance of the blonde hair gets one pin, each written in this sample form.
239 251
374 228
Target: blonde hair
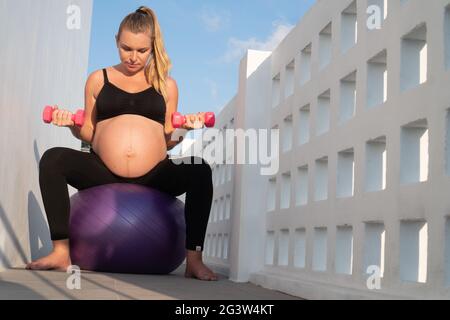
144 20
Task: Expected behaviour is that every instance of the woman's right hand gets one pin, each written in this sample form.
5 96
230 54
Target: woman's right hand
62 118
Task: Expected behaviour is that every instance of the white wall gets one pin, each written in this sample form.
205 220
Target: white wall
368 157
387 200
42 62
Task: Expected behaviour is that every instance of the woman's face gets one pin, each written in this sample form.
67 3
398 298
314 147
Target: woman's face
134 50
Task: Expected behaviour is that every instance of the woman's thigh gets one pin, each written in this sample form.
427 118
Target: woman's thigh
176 176
82 170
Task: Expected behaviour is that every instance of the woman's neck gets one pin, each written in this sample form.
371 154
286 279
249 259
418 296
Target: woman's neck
132 75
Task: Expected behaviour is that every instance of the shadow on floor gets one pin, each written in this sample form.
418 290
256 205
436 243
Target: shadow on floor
104 286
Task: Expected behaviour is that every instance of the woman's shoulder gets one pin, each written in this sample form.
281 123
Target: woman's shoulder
171 88
171 84
95 81
96 77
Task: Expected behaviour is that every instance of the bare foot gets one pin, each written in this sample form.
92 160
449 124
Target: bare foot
200 271
56 260
195 267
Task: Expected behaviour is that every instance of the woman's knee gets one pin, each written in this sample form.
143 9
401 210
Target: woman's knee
201 167
51 158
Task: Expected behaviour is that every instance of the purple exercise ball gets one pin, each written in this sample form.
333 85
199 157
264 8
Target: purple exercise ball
126 228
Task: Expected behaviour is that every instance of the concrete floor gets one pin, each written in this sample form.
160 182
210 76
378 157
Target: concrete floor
36 285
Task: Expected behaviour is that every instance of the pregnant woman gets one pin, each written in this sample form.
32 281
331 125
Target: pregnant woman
128 110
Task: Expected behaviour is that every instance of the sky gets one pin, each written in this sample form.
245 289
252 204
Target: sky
205 40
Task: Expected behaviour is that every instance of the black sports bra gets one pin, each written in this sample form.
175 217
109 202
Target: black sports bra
113 101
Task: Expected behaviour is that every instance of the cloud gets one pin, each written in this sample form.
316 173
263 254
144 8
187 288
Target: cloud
237 48
214 21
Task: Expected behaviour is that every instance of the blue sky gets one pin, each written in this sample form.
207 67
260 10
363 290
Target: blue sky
205 40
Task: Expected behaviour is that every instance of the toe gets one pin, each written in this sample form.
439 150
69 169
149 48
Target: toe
35 266
31 265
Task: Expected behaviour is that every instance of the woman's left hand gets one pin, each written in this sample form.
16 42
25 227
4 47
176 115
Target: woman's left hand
194 121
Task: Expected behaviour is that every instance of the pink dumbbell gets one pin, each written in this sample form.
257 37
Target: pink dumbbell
78 117
178 120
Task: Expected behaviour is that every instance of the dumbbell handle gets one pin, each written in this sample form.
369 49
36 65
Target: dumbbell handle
178 120
77 118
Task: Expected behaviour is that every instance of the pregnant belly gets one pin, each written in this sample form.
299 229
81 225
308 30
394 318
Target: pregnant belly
130 145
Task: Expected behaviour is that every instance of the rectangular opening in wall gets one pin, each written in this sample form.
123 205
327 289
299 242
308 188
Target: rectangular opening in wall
414 58
344 250
219 246
382 8
321 179
274 135
208 245
283 248
447 251
230 172
216 167
323 113
447 37
221 207
320 249
226 243
377 80
276 91
374 246
287 133
413 251
214 246
227 207
302 186
348 98
349 27
219 178
222 174
303 127
272 196
213 143
325 46
300 248
305 64
447 143
218 173
215 210
290 79
375 177
285 190
345 174
270 247
225 171
414 152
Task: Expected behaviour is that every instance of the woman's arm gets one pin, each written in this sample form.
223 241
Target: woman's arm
86 132
75 131
171 107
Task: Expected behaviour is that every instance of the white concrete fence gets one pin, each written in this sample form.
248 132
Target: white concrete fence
360 206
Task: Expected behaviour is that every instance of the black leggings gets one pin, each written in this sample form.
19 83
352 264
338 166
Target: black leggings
61 166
